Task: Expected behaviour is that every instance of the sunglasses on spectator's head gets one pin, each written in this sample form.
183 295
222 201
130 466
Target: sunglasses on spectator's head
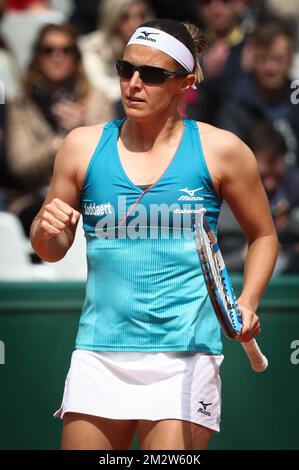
147 73
49 50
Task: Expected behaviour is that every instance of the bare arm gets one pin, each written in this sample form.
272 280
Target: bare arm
241 187
53 229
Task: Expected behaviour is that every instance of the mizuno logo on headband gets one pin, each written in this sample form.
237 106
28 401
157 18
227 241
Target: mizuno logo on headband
146 36
146 33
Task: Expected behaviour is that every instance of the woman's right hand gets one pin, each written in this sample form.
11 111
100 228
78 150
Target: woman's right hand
57 217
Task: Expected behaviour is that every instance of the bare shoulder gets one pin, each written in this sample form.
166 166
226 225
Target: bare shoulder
83 137
227 148
224 141
77 149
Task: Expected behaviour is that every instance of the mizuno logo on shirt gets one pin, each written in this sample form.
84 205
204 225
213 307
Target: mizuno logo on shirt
190 193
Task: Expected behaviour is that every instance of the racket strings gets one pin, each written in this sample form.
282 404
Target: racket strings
215 267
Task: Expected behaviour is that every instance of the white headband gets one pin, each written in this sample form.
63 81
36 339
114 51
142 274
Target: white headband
164 42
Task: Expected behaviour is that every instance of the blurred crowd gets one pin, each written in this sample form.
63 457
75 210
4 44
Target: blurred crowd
57 64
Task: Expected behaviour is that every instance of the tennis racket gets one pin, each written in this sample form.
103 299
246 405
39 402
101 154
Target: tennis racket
221 291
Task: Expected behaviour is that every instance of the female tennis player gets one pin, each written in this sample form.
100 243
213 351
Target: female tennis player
148 349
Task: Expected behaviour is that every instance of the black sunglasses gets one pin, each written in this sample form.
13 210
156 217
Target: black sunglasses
147 73
49 50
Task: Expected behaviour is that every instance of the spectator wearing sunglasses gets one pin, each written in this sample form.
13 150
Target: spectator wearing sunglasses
56 97
147 328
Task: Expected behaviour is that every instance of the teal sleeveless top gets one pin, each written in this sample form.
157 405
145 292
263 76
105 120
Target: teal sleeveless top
145 289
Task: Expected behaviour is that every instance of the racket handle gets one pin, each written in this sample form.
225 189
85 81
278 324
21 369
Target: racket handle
258 361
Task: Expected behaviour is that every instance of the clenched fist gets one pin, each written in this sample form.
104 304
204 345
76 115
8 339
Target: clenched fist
56 217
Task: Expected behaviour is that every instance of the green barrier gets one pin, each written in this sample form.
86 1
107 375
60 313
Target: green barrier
38 325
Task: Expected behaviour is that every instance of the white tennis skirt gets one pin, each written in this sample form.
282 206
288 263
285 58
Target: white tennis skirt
182 385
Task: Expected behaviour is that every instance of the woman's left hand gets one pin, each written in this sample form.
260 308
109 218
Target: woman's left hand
251 324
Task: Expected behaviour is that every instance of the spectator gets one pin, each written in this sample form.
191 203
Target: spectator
289 10
101 49
266 93
282 187
20 28
223 58
56 98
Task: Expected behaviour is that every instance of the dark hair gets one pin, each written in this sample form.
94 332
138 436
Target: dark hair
188 34
265 33
264 136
